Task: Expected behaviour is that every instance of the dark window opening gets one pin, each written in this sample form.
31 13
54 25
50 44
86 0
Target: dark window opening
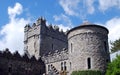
10 68
70 65
105 46
65 68
89 63
62 66
71 47
48 67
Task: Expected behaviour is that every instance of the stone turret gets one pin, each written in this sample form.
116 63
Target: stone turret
40 39
41 21
32 36
88 47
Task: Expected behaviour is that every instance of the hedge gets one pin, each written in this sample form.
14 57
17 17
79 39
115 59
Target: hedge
87 72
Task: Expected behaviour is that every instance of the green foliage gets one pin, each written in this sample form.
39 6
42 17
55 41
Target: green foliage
115 45
87 72
114 67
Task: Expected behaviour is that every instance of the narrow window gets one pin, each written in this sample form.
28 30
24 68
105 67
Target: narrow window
48 67
105 46
70 65
65 67
89 63
61 66
71 47
10 68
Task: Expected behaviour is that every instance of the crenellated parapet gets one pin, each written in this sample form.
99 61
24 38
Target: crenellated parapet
56 56
16 64
41 21
16 56
40 38
40 27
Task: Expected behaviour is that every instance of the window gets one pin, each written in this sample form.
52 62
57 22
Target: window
89 63
48 67
10 68
105 46
61 66
65 68
70 65
71 47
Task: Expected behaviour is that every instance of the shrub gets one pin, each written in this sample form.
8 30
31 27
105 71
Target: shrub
87 72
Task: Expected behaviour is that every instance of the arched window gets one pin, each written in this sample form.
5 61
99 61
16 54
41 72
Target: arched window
89 63
61 66
65 67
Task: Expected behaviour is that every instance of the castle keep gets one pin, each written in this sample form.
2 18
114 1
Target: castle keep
41 39
82 48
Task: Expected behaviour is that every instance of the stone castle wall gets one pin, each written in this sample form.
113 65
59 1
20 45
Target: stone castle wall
55 60
56 57
15 64
52 39
41 39
85 46
31 39
88 42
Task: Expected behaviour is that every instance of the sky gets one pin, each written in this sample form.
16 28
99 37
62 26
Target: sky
15 14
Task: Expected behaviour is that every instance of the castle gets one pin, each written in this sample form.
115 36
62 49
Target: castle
81 48
16 64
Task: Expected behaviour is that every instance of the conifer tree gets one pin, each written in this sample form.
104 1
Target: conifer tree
115 45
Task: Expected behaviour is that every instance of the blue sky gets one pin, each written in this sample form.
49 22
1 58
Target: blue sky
15 14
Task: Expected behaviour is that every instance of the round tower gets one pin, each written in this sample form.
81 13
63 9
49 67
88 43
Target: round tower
88 47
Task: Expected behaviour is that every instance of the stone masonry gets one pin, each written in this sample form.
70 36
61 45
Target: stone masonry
41 39
82 48
88 45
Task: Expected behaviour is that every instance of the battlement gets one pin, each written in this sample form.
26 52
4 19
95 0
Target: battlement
40 38
16 64
56 56
40 27
16 56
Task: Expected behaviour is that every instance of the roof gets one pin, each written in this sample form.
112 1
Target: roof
87 25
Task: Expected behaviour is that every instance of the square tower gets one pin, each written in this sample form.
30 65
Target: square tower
40 39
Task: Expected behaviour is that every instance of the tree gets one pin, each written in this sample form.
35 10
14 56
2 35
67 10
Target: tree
114 67
115 45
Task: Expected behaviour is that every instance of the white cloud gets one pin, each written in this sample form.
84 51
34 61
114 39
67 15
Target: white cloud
114 28
64 28
90 7
13 32
64 20
81 8
106 4
77 7
16 10
70 6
